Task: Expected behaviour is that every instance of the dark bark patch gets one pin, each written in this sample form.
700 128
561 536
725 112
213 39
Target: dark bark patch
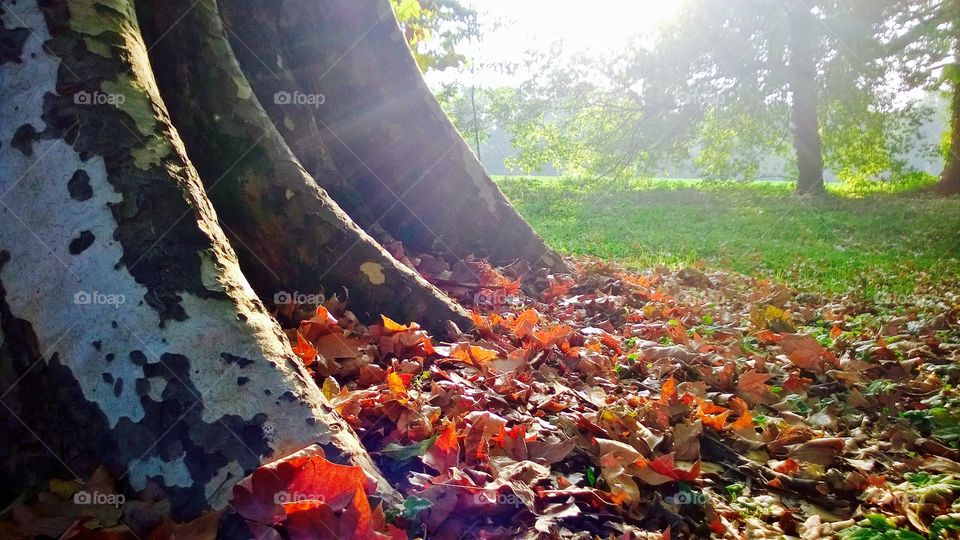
167 303
23 139
49 400
81 242
138 358
142 387
118 388
107 378
238 360
79 186
11 44
242 380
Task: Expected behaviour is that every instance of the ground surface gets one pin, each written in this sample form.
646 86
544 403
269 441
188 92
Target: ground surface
872 241
653 404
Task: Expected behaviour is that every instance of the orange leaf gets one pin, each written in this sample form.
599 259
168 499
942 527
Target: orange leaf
678 333
303 481
335 345
323 315
551 335
472 354
669 390
789 467
716 421
393 326
445 451
768 336
523 323
448 439
708 407
744 422
664 465
305 350
395 384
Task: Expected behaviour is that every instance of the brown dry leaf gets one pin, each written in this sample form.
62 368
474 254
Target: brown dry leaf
337 346
753 387
201 528
803 351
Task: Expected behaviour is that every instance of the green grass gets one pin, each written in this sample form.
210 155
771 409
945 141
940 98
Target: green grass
879 242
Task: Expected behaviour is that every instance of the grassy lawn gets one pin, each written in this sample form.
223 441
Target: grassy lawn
864 241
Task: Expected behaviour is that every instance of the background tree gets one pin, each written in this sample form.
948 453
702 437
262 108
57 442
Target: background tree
435 30
728 87
923 47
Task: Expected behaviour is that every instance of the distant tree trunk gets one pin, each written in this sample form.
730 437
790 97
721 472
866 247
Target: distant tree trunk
803 89
950 177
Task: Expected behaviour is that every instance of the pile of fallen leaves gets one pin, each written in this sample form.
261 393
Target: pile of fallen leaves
611 404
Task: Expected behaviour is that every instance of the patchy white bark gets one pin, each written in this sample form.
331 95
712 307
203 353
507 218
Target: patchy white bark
185 376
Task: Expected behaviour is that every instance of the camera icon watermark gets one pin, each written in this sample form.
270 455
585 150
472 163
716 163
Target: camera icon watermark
494 298
95 497
697 498
287 297
299 98
99 98
286 497
97 298
502 499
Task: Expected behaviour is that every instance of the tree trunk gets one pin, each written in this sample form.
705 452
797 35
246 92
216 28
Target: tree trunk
950 177
404 162
130 336
803 89
291 236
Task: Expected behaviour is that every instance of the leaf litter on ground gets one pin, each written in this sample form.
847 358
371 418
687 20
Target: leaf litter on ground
615 404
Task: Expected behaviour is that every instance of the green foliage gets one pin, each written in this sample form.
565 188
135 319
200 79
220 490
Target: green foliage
734 142
435 29
877 527
941 420
413 505
864 144
714 88
942 526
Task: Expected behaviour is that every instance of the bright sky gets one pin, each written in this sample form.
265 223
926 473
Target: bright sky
583 25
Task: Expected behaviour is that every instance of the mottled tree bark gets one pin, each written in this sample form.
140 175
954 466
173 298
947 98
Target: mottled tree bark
803 89
291 236
405 164
950 177
130 336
